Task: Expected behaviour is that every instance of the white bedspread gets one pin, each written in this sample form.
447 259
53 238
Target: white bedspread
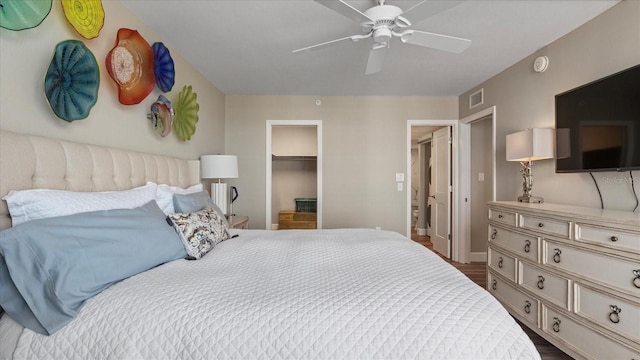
327 294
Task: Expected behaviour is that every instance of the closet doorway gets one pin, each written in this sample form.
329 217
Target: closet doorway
293 168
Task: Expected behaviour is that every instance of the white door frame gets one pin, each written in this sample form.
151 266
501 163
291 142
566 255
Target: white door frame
460 249
465 172
270 125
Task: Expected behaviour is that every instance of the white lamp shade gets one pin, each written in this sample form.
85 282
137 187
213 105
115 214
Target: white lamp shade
530 144
218 166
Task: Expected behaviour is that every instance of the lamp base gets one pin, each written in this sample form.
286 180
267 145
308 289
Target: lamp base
220 196
530 199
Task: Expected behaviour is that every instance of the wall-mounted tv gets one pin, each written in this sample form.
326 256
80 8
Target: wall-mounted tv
598 125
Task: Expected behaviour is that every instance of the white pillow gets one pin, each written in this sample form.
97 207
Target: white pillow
25 205
164 195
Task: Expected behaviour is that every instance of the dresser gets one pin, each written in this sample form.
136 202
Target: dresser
571 274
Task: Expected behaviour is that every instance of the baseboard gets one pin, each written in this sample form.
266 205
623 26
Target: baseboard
422 232
274 226
478 257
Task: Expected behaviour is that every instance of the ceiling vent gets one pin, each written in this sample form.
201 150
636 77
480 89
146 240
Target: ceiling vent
476 98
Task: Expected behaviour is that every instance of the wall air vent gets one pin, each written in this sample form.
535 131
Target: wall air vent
476 98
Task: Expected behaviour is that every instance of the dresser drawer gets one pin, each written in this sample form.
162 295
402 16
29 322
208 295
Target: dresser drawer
608 237
522 244
583 340
610 271
523 304
504 217
611 312
546 225
544 284
502 263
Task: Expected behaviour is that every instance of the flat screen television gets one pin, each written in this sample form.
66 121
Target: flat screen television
598 125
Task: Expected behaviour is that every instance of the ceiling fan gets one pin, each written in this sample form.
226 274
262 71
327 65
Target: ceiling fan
383 22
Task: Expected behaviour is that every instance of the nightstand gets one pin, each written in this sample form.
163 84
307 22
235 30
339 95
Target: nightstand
238 222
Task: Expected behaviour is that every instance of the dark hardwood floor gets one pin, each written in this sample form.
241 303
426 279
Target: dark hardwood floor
477 272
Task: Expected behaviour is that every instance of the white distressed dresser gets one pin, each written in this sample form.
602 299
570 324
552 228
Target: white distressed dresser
571 274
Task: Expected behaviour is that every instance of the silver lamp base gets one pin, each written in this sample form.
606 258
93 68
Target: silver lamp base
530 199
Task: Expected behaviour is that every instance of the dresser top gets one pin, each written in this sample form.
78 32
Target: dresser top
621 217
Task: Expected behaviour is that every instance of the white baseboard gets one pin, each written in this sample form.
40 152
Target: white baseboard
422 232
480 257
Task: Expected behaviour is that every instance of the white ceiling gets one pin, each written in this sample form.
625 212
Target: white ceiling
244 46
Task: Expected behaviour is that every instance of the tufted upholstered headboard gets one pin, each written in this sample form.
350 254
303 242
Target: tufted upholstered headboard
35 162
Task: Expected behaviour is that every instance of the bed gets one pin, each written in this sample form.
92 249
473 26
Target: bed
295 294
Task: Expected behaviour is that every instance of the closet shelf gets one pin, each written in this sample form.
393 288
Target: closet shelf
293 157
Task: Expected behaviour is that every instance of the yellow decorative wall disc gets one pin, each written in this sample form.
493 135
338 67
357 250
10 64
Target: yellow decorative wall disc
86 16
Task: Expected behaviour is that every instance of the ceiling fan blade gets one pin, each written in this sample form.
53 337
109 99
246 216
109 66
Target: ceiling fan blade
435 41
353 38
376 59
425 9
345 9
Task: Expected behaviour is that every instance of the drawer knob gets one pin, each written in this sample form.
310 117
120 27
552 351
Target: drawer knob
494 284
494 234
527 306
556 257
540 225
500 216
527 246
614 238
636 279
540 282
556 324
613 315
500 260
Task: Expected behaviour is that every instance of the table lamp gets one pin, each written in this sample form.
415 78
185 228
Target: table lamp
527 146
219 167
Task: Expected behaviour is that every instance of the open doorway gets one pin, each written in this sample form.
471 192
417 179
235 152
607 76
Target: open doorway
421 137
448 217
293 170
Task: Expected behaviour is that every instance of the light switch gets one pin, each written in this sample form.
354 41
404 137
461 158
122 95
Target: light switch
400 186
399 176
481 176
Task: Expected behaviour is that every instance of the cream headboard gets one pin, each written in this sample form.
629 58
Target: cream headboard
34 162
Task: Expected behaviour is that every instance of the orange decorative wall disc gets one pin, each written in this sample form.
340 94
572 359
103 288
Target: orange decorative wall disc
130 65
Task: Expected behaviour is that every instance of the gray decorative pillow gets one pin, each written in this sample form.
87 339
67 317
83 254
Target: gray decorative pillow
186 203
200 231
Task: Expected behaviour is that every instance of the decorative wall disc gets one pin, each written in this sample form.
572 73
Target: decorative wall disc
86 16
161 116
130 65
23 14
184 122
72 81
163 67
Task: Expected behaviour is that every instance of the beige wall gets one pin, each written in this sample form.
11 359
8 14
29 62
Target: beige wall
24 59
525 99
364 145
481 162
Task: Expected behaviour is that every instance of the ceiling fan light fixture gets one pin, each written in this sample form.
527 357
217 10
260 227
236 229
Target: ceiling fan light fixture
382 35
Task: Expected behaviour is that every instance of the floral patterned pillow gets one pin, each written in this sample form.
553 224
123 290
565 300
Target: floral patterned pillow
200 231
